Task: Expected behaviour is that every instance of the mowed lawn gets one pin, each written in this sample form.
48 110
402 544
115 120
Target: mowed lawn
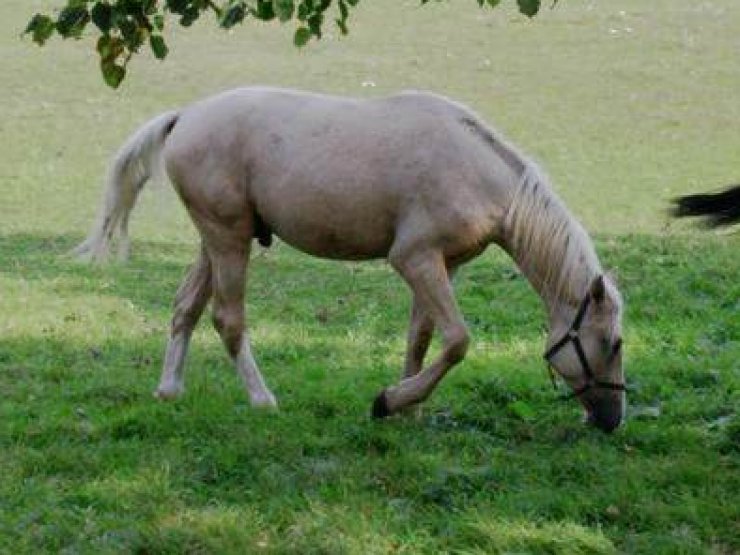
624 103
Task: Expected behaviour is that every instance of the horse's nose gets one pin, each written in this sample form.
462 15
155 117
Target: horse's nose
606 423
606 411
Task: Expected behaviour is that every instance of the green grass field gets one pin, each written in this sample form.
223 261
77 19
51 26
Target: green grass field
625 103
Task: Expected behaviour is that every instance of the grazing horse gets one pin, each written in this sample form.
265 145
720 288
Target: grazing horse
718 209
414 178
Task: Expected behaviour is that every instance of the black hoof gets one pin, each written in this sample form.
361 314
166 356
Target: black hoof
380 406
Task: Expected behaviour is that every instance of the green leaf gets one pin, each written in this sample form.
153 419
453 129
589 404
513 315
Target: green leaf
529 7
72 20
304 10
149 7
177 6
302 36
158 22
41 28
189 16
132 7
130 32
109 48
343 16
264 10
113 74
158 46
233 15
284 9
102 16
315 22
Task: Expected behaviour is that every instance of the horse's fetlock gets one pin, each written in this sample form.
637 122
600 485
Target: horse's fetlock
457 343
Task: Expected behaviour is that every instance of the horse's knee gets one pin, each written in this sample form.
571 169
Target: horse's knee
192 297
229 323
456 345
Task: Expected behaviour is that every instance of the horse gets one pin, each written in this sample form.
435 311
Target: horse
718 209
415 178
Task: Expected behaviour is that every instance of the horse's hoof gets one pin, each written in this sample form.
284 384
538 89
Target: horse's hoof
167 394
380 406
414 412
264 402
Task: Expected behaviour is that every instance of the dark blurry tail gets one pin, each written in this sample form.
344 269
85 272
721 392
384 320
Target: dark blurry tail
718 208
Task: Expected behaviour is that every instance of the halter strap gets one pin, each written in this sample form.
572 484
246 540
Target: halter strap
571 336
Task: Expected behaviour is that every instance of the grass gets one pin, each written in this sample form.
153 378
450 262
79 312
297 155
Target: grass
623 120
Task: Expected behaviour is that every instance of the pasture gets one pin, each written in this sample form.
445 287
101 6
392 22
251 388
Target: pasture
624 103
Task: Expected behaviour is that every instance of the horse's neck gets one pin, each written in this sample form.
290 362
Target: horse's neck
550 247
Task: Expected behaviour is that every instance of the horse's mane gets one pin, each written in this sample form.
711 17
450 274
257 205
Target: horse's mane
547 242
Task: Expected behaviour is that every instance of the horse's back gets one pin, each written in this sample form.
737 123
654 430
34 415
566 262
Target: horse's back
333 176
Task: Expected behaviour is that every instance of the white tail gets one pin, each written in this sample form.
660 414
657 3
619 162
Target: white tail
138 160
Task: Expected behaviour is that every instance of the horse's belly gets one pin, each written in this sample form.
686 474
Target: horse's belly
348 232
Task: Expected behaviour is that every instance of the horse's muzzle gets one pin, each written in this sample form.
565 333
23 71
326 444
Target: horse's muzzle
605 409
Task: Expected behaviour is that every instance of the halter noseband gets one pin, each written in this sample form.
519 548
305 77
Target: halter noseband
571 336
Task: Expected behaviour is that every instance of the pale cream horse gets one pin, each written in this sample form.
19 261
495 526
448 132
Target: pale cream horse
414 178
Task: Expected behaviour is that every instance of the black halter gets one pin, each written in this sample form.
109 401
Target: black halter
571 336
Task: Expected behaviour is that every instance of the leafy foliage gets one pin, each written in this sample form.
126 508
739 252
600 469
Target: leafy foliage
127 25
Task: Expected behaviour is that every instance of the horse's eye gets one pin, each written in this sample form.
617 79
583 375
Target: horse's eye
615 349
617 346
610 349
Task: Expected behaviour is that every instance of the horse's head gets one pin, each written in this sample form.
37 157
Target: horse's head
585 348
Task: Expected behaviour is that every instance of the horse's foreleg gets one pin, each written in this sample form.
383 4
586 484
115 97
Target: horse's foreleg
192 297
229 279
421 329
427 276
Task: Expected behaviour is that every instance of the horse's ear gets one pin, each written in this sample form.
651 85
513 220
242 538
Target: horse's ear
598 289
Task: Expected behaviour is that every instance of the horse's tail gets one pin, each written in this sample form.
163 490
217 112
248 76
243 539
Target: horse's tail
721 208
138 160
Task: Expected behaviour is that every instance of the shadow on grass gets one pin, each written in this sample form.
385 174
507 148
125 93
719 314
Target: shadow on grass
319 291
667 282
155 267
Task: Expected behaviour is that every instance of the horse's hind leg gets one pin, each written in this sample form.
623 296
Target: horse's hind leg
229 263
427 275
192 297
